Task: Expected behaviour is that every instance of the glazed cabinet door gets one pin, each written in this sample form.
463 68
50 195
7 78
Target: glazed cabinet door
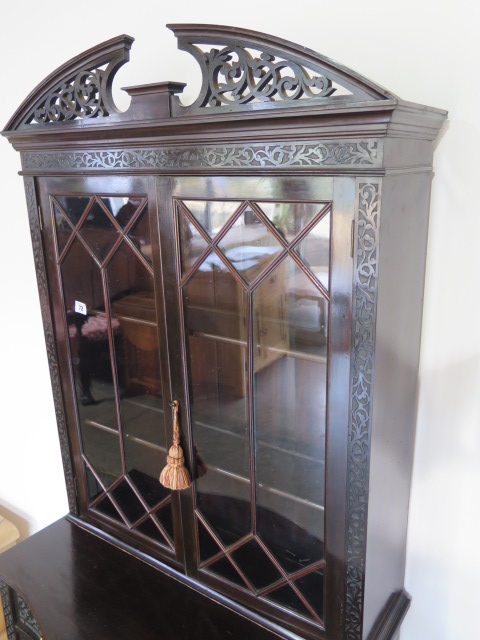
259 272
101 240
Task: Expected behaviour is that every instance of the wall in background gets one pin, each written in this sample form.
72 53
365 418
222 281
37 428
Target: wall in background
425 52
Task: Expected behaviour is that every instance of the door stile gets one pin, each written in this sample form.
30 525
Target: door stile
45 186
185 528
338 404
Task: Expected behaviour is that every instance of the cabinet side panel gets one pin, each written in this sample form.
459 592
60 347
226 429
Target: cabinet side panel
403 236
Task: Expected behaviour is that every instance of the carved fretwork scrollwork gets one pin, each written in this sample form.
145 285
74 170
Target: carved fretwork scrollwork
235 76
81 88
243 69
86 96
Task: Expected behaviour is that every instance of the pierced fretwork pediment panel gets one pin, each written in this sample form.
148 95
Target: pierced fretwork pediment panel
81 88
243 69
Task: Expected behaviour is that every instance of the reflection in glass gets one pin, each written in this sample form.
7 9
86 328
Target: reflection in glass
289 218
215 308
107 507
164 517
122 208
99 232
93 487
255 564
311 587
132 304
282 342
249 246
73 206
225 569
207 545
63 229
107 308
290 316
139 234
286 597
128 501
192 243
88 335
212 215
150 527
224 501
314 250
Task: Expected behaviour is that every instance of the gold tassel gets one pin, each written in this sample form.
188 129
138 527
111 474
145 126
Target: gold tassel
175 476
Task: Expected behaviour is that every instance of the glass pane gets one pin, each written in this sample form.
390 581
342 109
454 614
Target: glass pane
165 518
311 587
225 502
314 250
290 316
215 308
192 243
93 488
225 569
295 546
286 597
250 246
137 359
139 234
106 507
99 232
149 486
210 214
255 564
89 346
289 218
149 529
208 546
73 206
122 208
63 230
128 501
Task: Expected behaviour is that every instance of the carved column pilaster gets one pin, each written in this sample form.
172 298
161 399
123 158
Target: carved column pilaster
365 286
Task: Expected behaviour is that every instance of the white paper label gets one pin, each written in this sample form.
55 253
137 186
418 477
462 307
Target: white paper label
80 307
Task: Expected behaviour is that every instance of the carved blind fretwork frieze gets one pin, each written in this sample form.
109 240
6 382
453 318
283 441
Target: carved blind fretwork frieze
364 318
272 155
50 339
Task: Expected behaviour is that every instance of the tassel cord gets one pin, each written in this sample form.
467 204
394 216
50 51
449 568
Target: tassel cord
175 475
